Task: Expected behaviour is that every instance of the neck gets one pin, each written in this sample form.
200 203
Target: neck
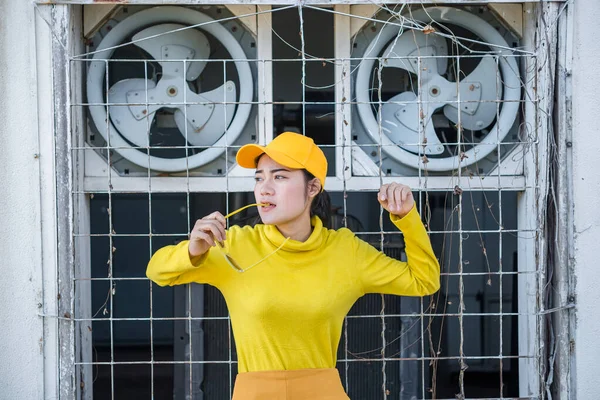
299 229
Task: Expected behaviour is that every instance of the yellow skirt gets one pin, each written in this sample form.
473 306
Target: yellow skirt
302 384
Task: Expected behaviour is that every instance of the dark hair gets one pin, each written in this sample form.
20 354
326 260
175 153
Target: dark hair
321 204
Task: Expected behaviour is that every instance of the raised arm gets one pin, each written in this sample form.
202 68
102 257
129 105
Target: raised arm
191 260
420 275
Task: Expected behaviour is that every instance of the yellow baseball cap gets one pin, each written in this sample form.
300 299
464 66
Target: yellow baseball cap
291 150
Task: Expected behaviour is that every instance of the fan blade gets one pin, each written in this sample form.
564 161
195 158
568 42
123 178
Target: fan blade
133 121
403 52
163 44
206 123
400 122
479 95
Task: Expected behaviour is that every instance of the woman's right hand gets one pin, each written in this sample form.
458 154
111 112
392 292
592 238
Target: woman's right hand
205 232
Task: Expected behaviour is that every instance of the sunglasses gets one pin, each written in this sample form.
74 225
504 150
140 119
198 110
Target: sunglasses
232 263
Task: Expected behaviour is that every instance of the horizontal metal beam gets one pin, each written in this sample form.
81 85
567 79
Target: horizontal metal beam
285 2
159 184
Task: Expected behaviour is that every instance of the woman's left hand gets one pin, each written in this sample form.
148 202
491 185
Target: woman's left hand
396 198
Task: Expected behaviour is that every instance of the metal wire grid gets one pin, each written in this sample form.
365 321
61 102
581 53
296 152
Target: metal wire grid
426 307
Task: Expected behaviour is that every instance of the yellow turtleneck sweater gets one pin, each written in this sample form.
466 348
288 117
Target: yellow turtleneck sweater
287 311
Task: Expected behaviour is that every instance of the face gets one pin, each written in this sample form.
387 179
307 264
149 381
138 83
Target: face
285 190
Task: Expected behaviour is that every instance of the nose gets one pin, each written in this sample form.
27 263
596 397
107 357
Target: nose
266 188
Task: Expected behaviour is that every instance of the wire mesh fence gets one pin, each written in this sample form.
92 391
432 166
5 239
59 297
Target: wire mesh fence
439 98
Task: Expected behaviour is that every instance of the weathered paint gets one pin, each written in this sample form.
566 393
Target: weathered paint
563 298
64 181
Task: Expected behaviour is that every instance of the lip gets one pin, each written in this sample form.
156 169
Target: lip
268 207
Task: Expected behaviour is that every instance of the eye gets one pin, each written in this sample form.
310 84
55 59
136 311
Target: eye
257 179
279 177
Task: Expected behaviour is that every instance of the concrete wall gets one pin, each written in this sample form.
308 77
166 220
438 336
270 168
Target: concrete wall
586 192
21 329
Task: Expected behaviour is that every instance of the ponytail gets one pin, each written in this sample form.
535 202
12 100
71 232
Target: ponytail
321 204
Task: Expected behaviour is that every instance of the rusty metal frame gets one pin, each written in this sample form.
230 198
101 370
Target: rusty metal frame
564 301
64 12
61 83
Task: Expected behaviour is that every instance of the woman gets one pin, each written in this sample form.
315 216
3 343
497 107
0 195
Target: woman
299 279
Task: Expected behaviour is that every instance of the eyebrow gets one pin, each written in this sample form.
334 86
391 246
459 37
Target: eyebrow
260 171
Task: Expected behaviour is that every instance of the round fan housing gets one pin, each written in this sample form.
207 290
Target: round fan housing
149 94
405 119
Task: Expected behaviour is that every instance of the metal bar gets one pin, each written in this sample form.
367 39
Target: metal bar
547 75
151 294
532 272
529 252
175 103
528 376
265 73
381 241
461 286
183 234
343 126
425 314
420 176
303 54
228 209
81 225
518 53
500 224
352 360
564 320
48 207
443 274
343 90
61 83
422 183
189 349
246 184
111 289
86 147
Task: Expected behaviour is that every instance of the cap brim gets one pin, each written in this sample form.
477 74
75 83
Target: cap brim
247 155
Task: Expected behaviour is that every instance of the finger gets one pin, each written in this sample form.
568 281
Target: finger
216 216
214 227
398 198
382 195
221 218
408 197
203 236
218 230
390 197
404 194
409 201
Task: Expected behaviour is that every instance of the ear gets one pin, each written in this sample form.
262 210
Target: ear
314 188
